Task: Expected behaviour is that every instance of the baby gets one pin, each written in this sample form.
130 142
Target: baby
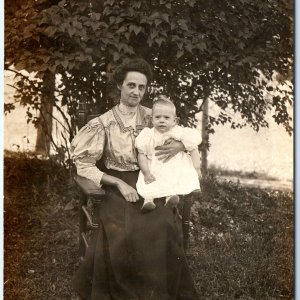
177 176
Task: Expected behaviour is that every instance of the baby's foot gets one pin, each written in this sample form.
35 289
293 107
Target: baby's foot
172 201
147 207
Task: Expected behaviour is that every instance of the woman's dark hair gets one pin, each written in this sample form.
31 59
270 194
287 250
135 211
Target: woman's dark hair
132 65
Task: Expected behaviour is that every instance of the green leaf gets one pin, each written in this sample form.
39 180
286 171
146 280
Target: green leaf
119 20
52 68
137 4
127 35
65 63
179 54
69 206
50 31
182 24
157 22
89 50
95 16
8 107
150 41
202 46
95 25
159 41
45 58
109 2
112 19
121 29
189 47
62 3
191 3
165 17
71 31
153 33
226 64
136 29
116 56
241 45
155 15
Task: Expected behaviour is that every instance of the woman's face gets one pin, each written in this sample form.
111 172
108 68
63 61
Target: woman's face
133 88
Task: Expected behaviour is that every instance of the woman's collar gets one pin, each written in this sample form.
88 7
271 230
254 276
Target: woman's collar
127 110
139 118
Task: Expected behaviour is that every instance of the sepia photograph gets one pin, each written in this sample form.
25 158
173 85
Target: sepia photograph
148 150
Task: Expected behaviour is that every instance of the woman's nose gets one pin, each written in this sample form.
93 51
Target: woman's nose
136 91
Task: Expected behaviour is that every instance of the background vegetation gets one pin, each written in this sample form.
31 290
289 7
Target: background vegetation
227 51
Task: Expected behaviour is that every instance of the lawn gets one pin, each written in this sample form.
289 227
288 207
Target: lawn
241 242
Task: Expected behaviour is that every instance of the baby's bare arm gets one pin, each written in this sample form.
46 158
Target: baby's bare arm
143 164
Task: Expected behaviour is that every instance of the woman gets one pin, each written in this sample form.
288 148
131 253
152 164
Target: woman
133 256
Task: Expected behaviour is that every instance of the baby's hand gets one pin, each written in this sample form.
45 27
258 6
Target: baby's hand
149 178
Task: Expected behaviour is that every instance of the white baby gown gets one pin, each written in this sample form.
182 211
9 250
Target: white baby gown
177 176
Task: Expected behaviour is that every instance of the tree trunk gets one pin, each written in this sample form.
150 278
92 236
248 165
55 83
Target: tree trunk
204 137
44 129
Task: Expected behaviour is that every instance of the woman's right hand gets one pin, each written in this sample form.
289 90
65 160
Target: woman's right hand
128 192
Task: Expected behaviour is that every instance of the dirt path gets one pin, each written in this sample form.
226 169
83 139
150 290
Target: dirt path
280 185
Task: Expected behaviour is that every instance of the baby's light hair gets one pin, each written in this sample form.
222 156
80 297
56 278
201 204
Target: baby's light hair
164 100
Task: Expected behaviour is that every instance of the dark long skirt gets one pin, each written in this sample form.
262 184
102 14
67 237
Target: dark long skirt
133 255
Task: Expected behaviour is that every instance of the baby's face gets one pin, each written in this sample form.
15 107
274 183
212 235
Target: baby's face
163 117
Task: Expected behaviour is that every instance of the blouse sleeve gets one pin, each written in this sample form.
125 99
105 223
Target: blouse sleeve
87 148
190 137
142 140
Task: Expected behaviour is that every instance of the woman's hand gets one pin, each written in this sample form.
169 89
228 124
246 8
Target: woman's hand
169 149
128 192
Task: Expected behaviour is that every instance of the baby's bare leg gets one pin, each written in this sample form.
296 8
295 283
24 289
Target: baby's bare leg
148 205
172 201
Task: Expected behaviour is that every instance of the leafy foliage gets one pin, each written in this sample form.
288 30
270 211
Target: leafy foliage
227 51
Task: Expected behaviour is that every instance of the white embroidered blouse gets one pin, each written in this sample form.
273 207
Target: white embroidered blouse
109 137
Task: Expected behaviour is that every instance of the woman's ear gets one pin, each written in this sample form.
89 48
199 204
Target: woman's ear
119 87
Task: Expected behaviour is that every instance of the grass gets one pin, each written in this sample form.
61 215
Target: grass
241 243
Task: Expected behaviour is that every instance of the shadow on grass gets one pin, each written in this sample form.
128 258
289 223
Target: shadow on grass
241 243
